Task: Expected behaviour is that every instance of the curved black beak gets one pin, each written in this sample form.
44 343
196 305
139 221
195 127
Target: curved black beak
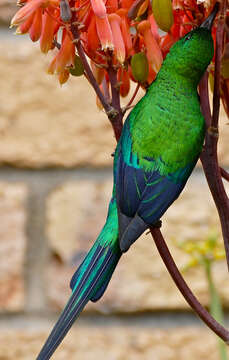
207 24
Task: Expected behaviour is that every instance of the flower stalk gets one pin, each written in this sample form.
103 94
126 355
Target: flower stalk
216 309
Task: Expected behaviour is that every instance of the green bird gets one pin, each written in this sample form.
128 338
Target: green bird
160 144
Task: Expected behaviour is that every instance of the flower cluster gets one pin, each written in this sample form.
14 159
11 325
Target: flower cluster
210 249
132 36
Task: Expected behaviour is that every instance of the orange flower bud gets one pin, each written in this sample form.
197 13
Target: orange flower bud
52 67
126 4
63 76
35 29
25 26
29 8
111 6
24 13
124 80
153 50
163 13
99 8
98 72
93 43
66 54
98 102
104 33
125 29
119 46
154 28
47 32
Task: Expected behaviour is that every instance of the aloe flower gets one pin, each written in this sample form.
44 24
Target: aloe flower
111 32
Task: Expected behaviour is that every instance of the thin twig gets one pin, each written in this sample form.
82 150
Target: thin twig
218 56
183 287
224 174
115 94
128 106
209 156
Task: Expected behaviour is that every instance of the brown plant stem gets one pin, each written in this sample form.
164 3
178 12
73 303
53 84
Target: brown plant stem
209 155
183 287
224 174
117 120
218 56
204 99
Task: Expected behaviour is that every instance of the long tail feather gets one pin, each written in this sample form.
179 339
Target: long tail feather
89 282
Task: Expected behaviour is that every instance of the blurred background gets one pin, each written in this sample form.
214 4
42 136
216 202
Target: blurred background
55 184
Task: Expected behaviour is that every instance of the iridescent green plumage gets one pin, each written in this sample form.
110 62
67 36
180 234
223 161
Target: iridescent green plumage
160 144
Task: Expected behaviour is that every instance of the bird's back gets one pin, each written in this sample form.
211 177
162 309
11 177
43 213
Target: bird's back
167 125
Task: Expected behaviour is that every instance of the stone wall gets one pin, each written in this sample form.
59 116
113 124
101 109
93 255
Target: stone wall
55 183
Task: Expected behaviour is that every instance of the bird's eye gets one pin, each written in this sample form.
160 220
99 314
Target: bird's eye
188 37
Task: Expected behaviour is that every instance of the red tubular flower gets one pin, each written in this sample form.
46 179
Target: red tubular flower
66 54
93 43
111 6
125 29
119 46
98 72
52 66
124 80
99 8
36 26
48 30
126 4
25 26
63 76
153 50
154 28
29 8
26 11
104 33
63 59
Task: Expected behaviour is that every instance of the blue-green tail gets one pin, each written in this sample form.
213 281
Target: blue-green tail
90 280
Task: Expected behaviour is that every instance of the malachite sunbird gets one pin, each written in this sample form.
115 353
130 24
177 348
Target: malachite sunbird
160 144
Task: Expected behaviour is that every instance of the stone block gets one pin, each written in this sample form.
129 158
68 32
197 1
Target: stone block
43 124
76 212
12 246
114 343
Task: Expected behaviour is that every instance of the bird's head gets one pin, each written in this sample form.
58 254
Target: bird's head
191 55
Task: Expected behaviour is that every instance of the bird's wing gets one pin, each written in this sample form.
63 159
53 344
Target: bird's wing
143 195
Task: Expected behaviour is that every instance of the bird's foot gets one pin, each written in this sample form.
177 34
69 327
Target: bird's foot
157 224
